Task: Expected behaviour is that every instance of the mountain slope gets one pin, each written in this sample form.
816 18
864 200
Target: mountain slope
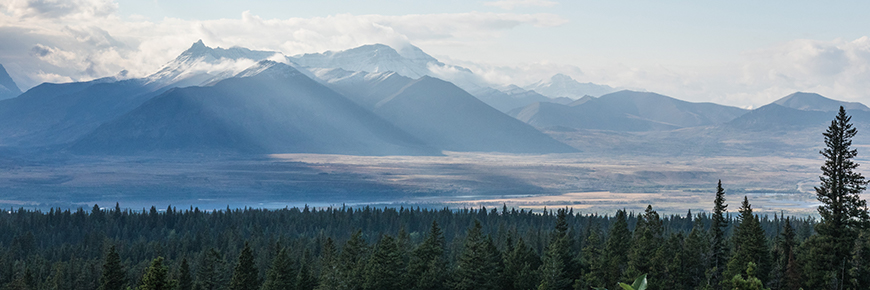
626 111
269 108
51 114
563 86
200 65
815 102
8 88
447 117
514 97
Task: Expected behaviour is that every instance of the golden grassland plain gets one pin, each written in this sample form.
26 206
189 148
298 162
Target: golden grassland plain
587 182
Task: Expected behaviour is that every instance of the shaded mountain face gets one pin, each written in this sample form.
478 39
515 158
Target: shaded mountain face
8 88
627 111
440 113
51 114
563 86
515 97
445 116
815 102
201 65
269 108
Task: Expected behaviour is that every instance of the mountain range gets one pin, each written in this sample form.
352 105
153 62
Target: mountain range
8 88
375 100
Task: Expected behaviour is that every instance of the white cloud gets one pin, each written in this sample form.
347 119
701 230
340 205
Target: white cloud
511 4
59 8
84 48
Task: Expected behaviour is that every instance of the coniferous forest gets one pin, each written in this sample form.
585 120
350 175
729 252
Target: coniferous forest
487 248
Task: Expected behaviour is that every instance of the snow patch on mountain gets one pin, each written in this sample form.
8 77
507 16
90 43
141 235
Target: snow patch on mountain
561 85
200 65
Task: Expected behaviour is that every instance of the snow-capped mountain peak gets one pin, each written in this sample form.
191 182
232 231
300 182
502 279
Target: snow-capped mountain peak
561 85
269 69
200 64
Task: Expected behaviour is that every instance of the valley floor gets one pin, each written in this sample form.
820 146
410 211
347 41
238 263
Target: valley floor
588 182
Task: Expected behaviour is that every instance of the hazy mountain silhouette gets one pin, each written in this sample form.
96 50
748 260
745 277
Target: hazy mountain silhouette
513 97
8 88
626 111
815 102
563 86
269 108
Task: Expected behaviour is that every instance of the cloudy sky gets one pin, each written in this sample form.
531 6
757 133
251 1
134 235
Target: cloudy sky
742 53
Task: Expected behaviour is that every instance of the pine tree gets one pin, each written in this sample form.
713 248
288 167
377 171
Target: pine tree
556 267
647 239
719 250
750 245
475 269
185 281
616 250
245 276
427 267
351 265
305 280
385 267
843 212
329 272
157 277
593 266
114 276
520 268
210 271
282 274
694 256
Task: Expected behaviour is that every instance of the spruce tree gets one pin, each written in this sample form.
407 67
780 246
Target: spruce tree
520 267
750 245
245 276
329 272
647 239
843 212
719 250
210 271
475 269
557 261
427 269
114 276
305 280
157 277
694 256
185 281
616 250
282 274
385 268
592 263
351 264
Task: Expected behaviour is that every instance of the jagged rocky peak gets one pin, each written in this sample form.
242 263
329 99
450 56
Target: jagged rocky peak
8 88
271 69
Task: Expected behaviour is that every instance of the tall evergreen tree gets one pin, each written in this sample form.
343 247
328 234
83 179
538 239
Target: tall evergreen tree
385 268
282 274
351 265
646 241
329 272
305 280
210 273
245 276
520 267
843 212
185 281
557 262
475 269
114 276
696 249
616 250
157 277
718 248
593 272
750 245
427 269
